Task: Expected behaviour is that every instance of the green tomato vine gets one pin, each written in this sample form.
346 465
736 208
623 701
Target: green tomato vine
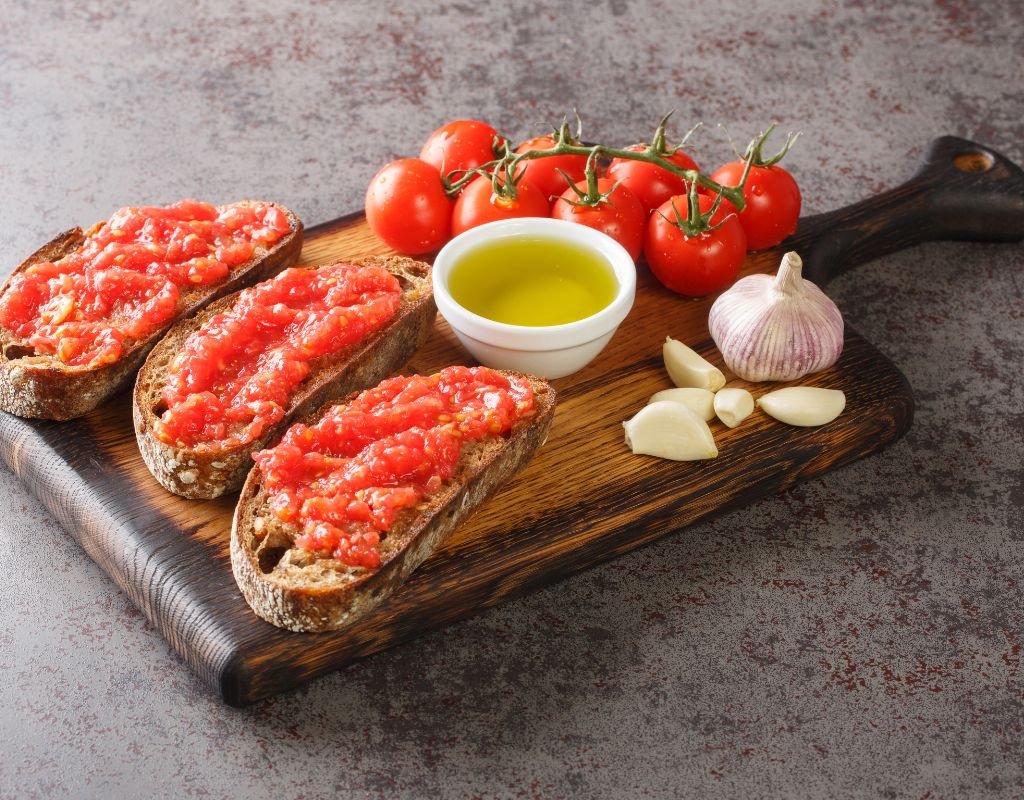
505 171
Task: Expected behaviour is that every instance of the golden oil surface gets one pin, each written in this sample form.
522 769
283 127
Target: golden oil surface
532 281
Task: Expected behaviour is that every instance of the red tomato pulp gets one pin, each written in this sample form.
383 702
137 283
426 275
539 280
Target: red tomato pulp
125 279
236 375
344 480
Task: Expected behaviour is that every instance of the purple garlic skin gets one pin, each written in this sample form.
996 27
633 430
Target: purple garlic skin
776 327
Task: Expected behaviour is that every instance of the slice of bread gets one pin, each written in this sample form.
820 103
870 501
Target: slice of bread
44 387
207 472
301 591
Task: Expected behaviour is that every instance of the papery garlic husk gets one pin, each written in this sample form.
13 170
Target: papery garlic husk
776 327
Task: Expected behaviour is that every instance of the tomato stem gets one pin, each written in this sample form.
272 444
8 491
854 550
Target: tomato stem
593 196
658 139
504 182
755 155
695 223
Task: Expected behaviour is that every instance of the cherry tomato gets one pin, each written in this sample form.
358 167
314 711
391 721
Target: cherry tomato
460 145
649 183
407 207
544 172
478 204
698 265
773 202
620 216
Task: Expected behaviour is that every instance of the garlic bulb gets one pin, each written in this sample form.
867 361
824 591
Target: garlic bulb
776 328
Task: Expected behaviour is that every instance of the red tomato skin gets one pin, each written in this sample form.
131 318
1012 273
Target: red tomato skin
621 216
460 145
773 202
649 183
477 204
406 206
699 265
543 172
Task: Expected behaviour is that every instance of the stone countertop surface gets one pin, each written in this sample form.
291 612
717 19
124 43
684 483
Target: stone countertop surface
858 636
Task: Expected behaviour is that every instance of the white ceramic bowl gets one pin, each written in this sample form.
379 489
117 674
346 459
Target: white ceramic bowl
550 351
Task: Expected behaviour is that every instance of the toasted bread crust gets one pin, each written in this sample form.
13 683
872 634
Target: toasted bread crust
210 472
310 595
43 387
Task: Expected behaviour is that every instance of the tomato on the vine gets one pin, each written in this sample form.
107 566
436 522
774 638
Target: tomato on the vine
478 203
694 265
406 206
544 172
461 145
650 184
773 202
619 215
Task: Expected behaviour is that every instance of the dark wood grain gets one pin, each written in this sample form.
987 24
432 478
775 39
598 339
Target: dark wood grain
583 499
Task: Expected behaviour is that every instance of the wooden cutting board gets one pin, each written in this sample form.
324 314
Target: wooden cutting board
582 500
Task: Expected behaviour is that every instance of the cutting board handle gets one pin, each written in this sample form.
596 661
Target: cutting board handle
963 191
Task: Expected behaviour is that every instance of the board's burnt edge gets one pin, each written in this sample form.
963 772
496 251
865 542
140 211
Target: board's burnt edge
61 488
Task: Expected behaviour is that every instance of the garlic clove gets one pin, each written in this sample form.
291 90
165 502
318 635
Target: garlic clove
687 368
668 429
805 406
700 401
776 328
734 405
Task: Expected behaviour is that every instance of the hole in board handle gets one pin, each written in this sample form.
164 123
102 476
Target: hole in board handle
976 161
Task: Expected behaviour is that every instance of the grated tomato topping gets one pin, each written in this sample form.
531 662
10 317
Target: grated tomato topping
235 376
344 480
124 280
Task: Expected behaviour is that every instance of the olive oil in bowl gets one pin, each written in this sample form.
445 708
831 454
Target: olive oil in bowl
532 281
533 294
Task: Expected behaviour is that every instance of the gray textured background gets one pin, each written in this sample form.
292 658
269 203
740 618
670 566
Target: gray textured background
858 636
